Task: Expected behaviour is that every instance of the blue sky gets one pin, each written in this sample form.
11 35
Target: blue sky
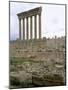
53 19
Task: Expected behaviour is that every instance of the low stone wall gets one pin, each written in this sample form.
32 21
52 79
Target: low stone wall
20 48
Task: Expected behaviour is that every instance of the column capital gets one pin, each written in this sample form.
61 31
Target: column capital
19 19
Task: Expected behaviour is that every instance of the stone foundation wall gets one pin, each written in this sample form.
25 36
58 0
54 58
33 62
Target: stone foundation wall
35 48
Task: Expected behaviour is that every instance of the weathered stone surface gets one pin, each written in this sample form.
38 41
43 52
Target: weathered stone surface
31 67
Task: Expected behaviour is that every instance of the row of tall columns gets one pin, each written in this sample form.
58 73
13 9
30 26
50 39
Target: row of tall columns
27 27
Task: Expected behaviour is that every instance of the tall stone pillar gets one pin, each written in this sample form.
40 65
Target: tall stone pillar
31 27
39 26
23 28
27 33
35 26
19 28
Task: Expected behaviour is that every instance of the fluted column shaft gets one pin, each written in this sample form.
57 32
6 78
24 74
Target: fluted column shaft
35 26
31 27
27 33
20 29
23 28
40 26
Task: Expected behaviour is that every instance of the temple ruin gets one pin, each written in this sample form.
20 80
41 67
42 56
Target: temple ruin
26 15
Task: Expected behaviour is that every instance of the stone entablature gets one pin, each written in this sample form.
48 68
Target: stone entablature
29 13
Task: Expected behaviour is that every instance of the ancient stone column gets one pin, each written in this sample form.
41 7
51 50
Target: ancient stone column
35 26
33 12
27 33
39 26
20 29
31 27
23 28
